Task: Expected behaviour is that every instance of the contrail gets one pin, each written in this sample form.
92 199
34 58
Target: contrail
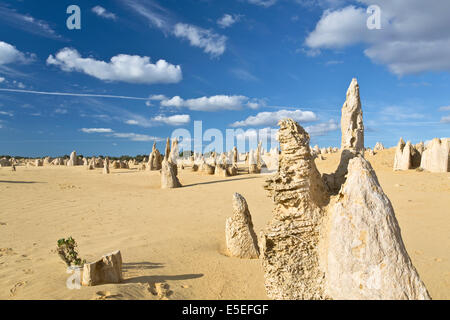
73 94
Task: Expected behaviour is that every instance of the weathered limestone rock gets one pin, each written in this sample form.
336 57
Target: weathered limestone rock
91 165
115 164
13 167
364 255
289 243
169 171
378 147
435 158
352 139
349 249
73 161
235 155
154 162
47 161
106 270
209 169
402 159
38 163
252 163
352 126
232 170
106 166
240 237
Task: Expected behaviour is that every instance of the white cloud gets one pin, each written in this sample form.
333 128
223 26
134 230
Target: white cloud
26 23
322 128
122 67
157 97
19 84
210 42
414 35
445 119
213 103
6 113
228 20
161 18
263 3
132 122
97 130
272 118
400 113
2 79
9 54
243 75
61 111
102 12
175 120
445 108
136 137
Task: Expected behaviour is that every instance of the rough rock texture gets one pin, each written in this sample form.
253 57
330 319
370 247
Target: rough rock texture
352 139
106 270
169 171
253 163
106 166
402 159
73 161
365 257
240 237
435 158
289 244
378 147
352 126
348 249
154 162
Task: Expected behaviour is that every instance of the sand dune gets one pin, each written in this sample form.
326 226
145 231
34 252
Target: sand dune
177 236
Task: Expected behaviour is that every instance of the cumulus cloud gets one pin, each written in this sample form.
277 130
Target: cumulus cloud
210 42
2 79
321 129
414 35
445 108
228 20
122 67
272 118
102 12
175 120
212 103
445 119
9 54
96 130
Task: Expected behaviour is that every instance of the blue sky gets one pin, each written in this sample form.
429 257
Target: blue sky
231 64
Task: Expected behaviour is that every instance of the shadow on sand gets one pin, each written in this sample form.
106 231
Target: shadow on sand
162 278
18 182
142 265
218 181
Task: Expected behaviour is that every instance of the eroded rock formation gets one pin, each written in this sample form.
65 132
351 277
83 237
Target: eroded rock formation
106 270
240 237
169 170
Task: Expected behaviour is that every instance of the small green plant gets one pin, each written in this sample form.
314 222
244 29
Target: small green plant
67 250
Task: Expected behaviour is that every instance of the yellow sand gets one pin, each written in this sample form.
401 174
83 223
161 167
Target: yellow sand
177 236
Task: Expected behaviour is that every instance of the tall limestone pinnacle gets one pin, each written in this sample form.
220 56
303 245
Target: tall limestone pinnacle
352 126
325 245
352 139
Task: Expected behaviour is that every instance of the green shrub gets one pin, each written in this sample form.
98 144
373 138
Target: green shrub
67 250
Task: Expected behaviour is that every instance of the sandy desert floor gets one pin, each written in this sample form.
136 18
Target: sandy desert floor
177 236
